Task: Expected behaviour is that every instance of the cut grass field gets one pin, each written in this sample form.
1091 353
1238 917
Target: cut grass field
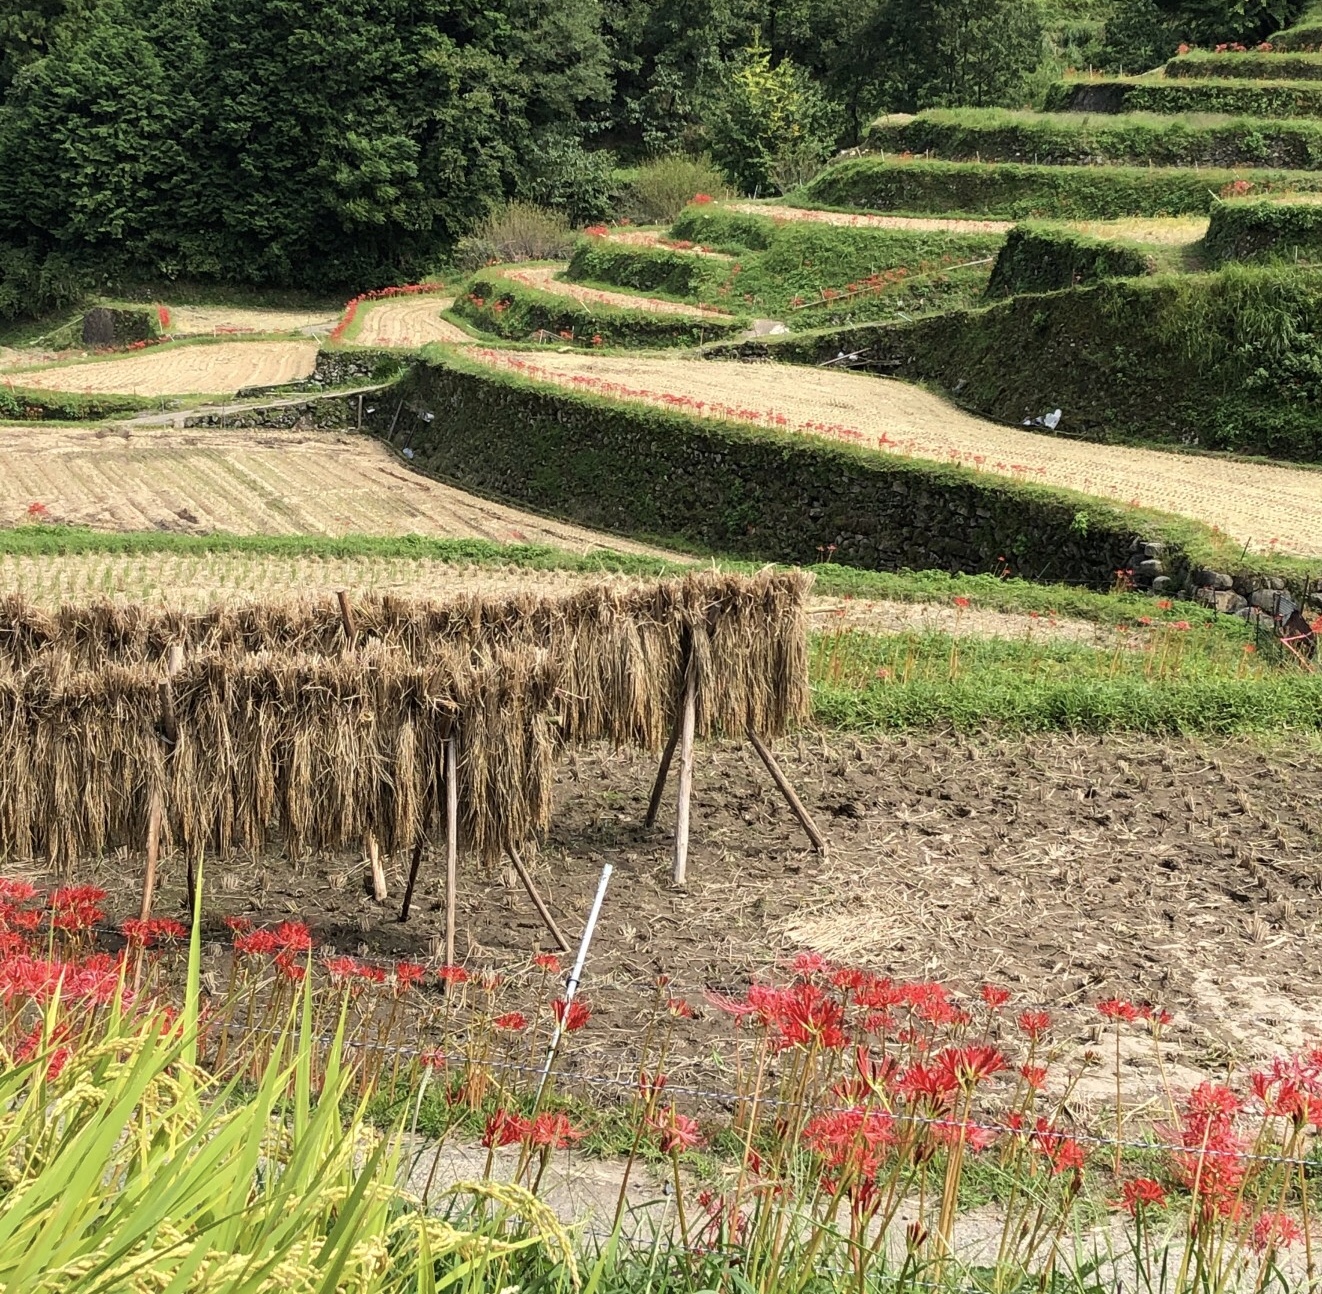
245 482
406 322
1235 497
925 224
211 320
221 368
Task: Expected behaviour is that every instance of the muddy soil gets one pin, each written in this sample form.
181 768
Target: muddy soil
1069 869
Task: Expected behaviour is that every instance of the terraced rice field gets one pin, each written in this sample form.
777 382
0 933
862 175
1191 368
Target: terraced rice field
245 482
542 277
861 220
409 322
201 369
1264 507
217 321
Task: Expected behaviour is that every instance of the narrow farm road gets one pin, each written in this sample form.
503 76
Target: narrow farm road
1263 506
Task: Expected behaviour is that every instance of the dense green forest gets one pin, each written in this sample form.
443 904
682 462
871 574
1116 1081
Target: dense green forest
351 143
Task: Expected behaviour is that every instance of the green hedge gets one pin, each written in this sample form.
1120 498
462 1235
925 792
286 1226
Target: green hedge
1239 98
1012 191
1044 258
646 269
1224 361
1264 231
1306 34
756 493
1253 65
722 230
21 404
1076 138
514 311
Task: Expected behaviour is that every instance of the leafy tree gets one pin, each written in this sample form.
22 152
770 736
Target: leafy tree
943 53
770 121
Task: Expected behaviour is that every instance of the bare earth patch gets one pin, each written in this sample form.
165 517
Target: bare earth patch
1067 869
211 321
543 278
1252 503
322 483
217 369
861 220
408 321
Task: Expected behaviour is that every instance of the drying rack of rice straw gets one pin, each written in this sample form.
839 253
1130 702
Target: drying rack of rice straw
370 721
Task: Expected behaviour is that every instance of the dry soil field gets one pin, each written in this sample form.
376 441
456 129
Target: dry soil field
1261 506
543 278
408 321
206 321
219 368
1066 869
244 482
861 220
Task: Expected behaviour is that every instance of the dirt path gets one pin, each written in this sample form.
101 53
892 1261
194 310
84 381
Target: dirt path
196 481
862 220
408 321
181 370
543 278
1264 507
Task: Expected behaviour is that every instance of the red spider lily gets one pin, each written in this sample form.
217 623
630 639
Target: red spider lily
571 1015
808 964
1209 1159
452 975
1142 1193
293 936
30 1045
258 943
962 602
1034 1075
675 1132
341 969
407 974
702 198
13 890
995 997
972 1136
596 231
238 925
75 907
931 1085
873 1077
1064 1153
1113 1008
547 962
289 967
145 934
680 1009
650 1087
1034 1023
504 1129
553 1131
1275 1231
800 1016
372 974
514 1021
969 1066
1156 1016
851 1141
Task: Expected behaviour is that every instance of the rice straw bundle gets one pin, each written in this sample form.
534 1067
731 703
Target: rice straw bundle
622 652
315 750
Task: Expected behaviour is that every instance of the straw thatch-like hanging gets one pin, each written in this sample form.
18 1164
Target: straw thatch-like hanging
621 652
318 752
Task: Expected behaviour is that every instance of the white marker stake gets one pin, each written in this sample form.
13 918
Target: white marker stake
571 985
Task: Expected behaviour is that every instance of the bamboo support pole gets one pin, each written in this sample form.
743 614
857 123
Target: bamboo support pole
173 662
688 718
378 870
791 798
451 845
662 772
414 863
536 898
346 617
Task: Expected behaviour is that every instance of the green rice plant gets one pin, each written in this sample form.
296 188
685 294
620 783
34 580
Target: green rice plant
128 1167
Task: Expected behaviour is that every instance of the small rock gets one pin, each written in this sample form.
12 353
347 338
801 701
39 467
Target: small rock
1155 549
1228 603
1163 584
1149 568
1205 579
1274 603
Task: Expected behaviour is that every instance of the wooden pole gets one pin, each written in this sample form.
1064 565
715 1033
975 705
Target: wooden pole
688 718
378 871
414 863
536 898
346 617
451 845
777 776
662 772
173 662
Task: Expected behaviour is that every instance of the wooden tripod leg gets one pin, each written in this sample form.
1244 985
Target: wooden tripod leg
536 898
378 868
782 782
662 772
153 853
451 845
414 863
688 719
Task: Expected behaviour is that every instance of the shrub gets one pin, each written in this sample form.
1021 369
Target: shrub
1264 231
1241 98
1305 34
1256 65
1014 191
1040 258
662 187
517 231
561 174
771 124
996 135
645 269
